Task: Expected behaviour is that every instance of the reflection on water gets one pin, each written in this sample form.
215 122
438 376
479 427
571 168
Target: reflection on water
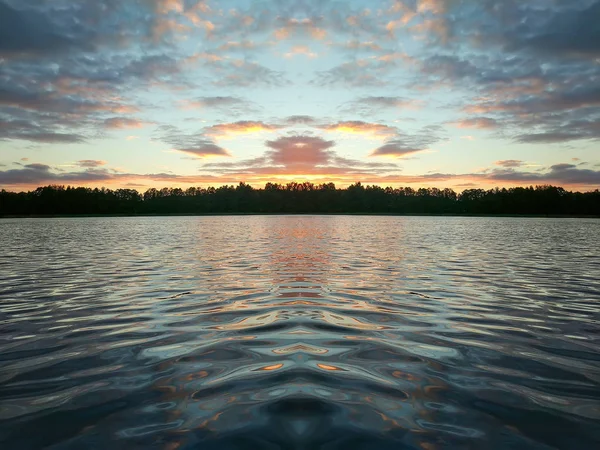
299 332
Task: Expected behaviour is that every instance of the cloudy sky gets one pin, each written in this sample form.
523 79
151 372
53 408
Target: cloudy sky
445 93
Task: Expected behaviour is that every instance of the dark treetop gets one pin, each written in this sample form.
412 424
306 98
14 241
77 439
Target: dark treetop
299 198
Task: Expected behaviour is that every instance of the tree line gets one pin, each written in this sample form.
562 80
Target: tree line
299 198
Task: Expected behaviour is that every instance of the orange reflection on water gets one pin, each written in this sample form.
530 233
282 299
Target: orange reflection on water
273 367
196 375
348 322
205 424
391 422
250 322
404 375
301 302
326 367
300 348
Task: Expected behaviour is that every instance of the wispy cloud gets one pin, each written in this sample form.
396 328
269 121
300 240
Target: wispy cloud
90 163
233 129
195 144
123 122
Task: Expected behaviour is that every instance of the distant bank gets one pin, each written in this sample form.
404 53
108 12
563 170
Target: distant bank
300 198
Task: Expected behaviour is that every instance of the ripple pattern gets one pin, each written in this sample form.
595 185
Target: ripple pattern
300 332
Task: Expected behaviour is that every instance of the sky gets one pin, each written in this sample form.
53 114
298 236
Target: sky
421 93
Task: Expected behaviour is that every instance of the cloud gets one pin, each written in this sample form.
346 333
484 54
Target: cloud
478 122
232 106
37 166
549 138
361 73
562 174
526 72
403 144
433 6
26 32
302 155
243 46
218 102
355 46
396 148
300 50
38 131
448 68
34 175
296 152
31 98
203 148
38 174
244 74
230 130
373 105
359 127
90 163
509 163
530 68
301 120
291 28
50 138
572 33
195 144
122 123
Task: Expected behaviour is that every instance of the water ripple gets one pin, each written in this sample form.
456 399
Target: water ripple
299 332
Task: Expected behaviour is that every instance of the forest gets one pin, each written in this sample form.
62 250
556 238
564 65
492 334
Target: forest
298 198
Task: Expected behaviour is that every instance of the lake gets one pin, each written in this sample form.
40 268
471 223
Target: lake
299 332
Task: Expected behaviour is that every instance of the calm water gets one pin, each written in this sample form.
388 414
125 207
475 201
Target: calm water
299 332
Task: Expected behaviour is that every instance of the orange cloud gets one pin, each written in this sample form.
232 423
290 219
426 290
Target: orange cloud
169 26
123 123
358 45
238 45
300 50
205 56
229 130
433 6
304 27
166 6
300 152
477 122
485 108
199 22
391 57
318 33
123 109
359 127
434 26
400 23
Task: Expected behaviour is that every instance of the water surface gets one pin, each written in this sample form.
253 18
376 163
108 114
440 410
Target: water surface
300 332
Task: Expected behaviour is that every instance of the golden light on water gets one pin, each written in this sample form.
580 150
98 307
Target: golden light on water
273 367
